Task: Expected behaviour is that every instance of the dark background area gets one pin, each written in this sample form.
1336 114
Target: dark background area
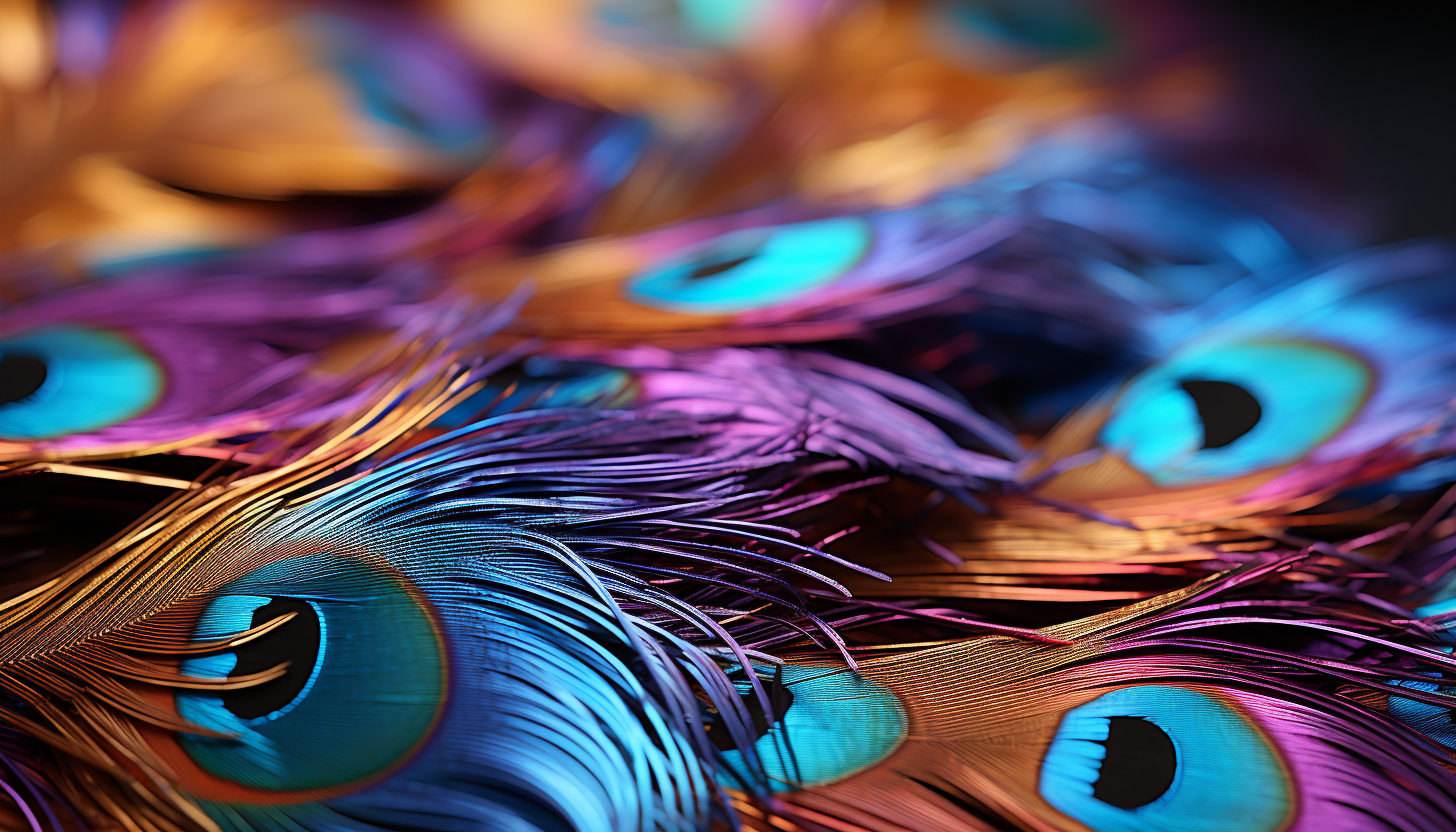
1378 80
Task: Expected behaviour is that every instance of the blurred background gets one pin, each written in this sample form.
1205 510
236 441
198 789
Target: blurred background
1377 84
136 130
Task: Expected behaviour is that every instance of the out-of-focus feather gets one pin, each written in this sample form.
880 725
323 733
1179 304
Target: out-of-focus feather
220 124
1332 381
206 363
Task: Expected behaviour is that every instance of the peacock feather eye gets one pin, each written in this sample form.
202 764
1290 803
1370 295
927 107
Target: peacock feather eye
363 683
1008 33
702 23
414 90
803 742
753 268
1155 757
1235 410
64 380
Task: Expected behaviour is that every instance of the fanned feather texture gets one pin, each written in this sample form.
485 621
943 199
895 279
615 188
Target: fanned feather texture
617 416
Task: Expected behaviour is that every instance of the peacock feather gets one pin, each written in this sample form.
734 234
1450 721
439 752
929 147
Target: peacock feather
658 415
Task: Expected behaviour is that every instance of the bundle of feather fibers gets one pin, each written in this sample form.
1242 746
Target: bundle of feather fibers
633 416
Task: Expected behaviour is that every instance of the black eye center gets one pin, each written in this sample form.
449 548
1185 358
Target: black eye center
780 697
20 376
1139 765
296 642
711 266
1228 411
